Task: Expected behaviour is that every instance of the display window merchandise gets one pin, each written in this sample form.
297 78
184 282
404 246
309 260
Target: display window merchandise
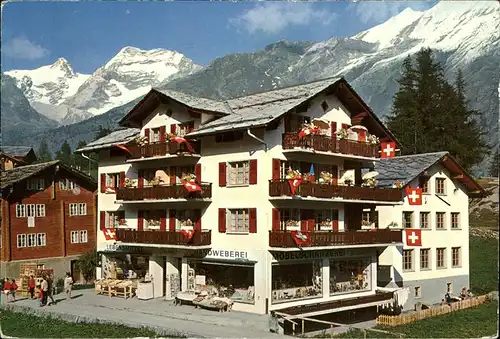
350 275
298 280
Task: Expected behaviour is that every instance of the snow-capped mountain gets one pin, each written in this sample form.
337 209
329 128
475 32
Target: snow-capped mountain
61 94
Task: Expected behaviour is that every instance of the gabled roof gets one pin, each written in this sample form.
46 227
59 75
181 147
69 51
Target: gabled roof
18 174
16 151
408 167
117 137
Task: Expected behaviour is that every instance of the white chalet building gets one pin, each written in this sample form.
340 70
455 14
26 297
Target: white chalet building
246 234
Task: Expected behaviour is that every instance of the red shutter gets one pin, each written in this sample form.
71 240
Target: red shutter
276 169
122 179
252 220
103 183
197 172
140 179
102 220
163 130
222 174
335 175
140 220
253 172
197 222
173 178
311 221
222 220
361 135
303 220
146 133
163 220
173 128
171 220
276 219
333 127
345 126
335 220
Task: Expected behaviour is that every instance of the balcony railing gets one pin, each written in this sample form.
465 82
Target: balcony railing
200 238
330 238
160 149
309 189
163 192
327 144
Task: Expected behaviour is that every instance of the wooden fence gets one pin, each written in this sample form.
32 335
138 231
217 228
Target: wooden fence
403 319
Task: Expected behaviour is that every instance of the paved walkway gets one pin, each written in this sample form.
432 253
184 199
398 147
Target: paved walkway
159 313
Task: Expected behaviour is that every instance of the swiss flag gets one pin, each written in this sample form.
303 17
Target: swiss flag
413 237
191 186
187 233
301 239
294 183
308 131
181 140
109 233
414 195
388 149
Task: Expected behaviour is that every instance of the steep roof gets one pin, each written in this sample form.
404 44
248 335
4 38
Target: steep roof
12 176
117 137
408 167
16 151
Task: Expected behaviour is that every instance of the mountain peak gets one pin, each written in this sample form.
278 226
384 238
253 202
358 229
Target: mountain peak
64 66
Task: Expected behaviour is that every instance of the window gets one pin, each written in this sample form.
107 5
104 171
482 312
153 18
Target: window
440 189
440 258
40 210
407 260
66 184
440 220
115 219
154 135
368 217
30 210
424 219
83 237
324 105
323 219
424 258
149 175
185 218
31 240
229 137
424 184
36 184
77 209
21 240
455 256
113 180
290 280
290 219
348 276
239 173
75 237
417 293
455 221
20 211
185 128
239 222
407 219
183 171
152 219
42 241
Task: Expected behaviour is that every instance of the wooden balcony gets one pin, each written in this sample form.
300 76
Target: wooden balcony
163 192
327 144
309 189
329 238
203 238
161 149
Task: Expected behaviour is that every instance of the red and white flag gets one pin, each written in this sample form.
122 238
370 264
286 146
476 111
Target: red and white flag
123 147
109 233
308 131
414 195
388 149
181 140
301 239
191 186
187 233
413 237
294 183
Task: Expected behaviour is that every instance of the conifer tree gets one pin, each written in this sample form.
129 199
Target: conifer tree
44 152
65 154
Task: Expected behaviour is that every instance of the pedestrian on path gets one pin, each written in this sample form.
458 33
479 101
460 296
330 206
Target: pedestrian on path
45 290
31 286
51 291
68 285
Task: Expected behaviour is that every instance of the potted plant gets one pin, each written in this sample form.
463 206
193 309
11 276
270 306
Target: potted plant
341 134
141 140
129 183
369 182
189 177
155 181
293 174
325 177
348 182
397 184
373 139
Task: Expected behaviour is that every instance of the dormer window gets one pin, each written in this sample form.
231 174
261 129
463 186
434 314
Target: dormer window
185 128
155 135
324 105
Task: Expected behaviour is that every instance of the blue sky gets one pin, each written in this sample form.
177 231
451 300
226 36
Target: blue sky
88 34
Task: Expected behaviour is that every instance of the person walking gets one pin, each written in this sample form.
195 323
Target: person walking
45 290
6 289
51 290
31 286
68 285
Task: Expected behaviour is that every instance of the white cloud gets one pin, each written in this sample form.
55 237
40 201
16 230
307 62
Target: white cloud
22 48
273 18
379 11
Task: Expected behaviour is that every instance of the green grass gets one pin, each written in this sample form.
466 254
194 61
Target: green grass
483 258
31 326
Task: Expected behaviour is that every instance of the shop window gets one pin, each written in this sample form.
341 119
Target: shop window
323 220
296 281
351 275
231 281
125 267
152 219
185 218
239 221
290 219
115 219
